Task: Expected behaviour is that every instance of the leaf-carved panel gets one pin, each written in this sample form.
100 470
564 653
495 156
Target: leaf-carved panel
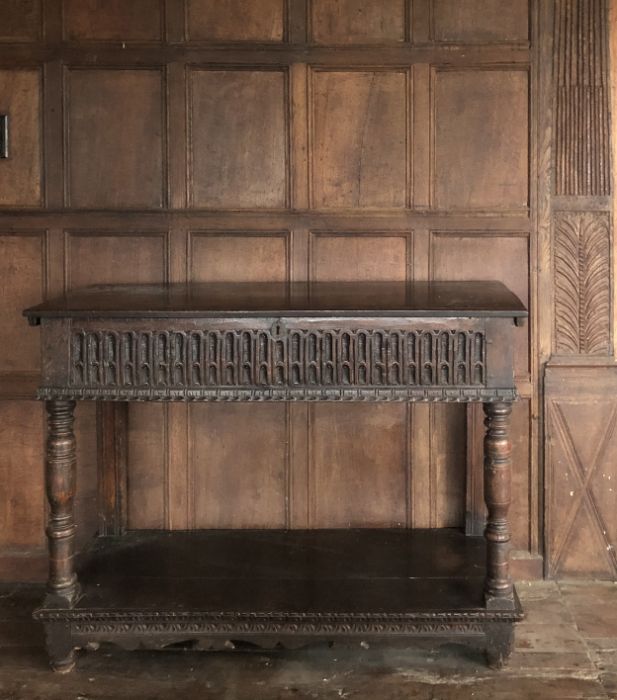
582 283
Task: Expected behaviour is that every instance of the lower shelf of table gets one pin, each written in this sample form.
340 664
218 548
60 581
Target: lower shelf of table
151 588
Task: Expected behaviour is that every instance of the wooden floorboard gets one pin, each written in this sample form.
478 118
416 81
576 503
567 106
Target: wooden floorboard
554 659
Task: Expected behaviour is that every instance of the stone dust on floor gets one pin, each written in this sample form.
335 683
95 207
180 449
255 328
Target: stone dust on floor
566 648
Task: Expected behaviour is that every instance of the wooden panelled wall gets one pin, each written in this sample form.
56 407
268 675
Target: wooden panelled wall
303 140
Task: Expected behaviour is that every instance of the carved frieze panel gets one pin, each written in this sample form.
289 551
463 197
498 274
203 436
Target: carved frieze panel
276 358
582 283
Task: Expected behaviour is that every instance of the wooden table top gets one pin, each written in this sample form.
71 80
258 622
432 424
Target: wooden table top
344 299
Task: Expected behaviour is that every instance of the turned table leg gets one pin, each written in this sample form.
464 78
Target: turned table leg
60 480
498 589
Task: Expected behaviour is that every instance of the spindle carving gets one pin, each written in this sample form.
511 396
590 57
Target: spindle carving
60 485
497 487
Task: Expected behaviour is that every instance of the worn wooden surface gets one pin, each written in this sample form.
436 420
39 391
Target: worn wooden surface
472 136
214 589
290 143
564 651
437 342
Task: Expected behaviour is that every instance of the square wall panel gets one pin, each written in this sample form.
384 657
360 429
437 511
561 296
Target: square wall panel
238 139
480 21
487 256
20 20
115 138
22 284
112 20
359 139
358 21
481 140
20 173
236 20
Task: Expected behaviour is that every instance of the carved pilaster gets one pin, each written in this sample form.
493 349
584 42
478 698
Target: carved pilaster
60 481
582 123
497 486
582 179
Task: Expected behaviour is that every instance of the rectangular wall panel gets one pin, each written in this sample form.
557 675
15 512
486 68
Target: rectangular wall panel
353 256
358 465
115 138
480 21
21 474
20 20
112 20
22 284
239 475
240 256
148 467
481 140
105 257
20 173
359 138
236 20
358 21
581 482
238 142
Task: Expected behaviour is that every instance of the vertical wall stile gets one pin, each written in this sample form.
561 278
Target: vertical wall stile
581 527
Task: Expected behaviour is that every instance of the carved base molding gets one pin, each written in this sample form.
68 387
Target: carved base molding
69 630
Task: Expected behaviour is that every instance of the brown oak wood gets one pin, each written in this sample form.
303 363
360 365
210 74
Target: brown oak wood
539 76
21 172
437 342
89 20
60 474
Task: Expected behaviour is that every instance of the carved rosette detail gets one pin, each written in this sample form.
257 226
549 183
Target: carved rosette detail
582 283
295 359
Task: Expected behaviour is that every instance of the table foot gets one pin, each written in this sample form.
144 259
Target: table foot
60 648
499 643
